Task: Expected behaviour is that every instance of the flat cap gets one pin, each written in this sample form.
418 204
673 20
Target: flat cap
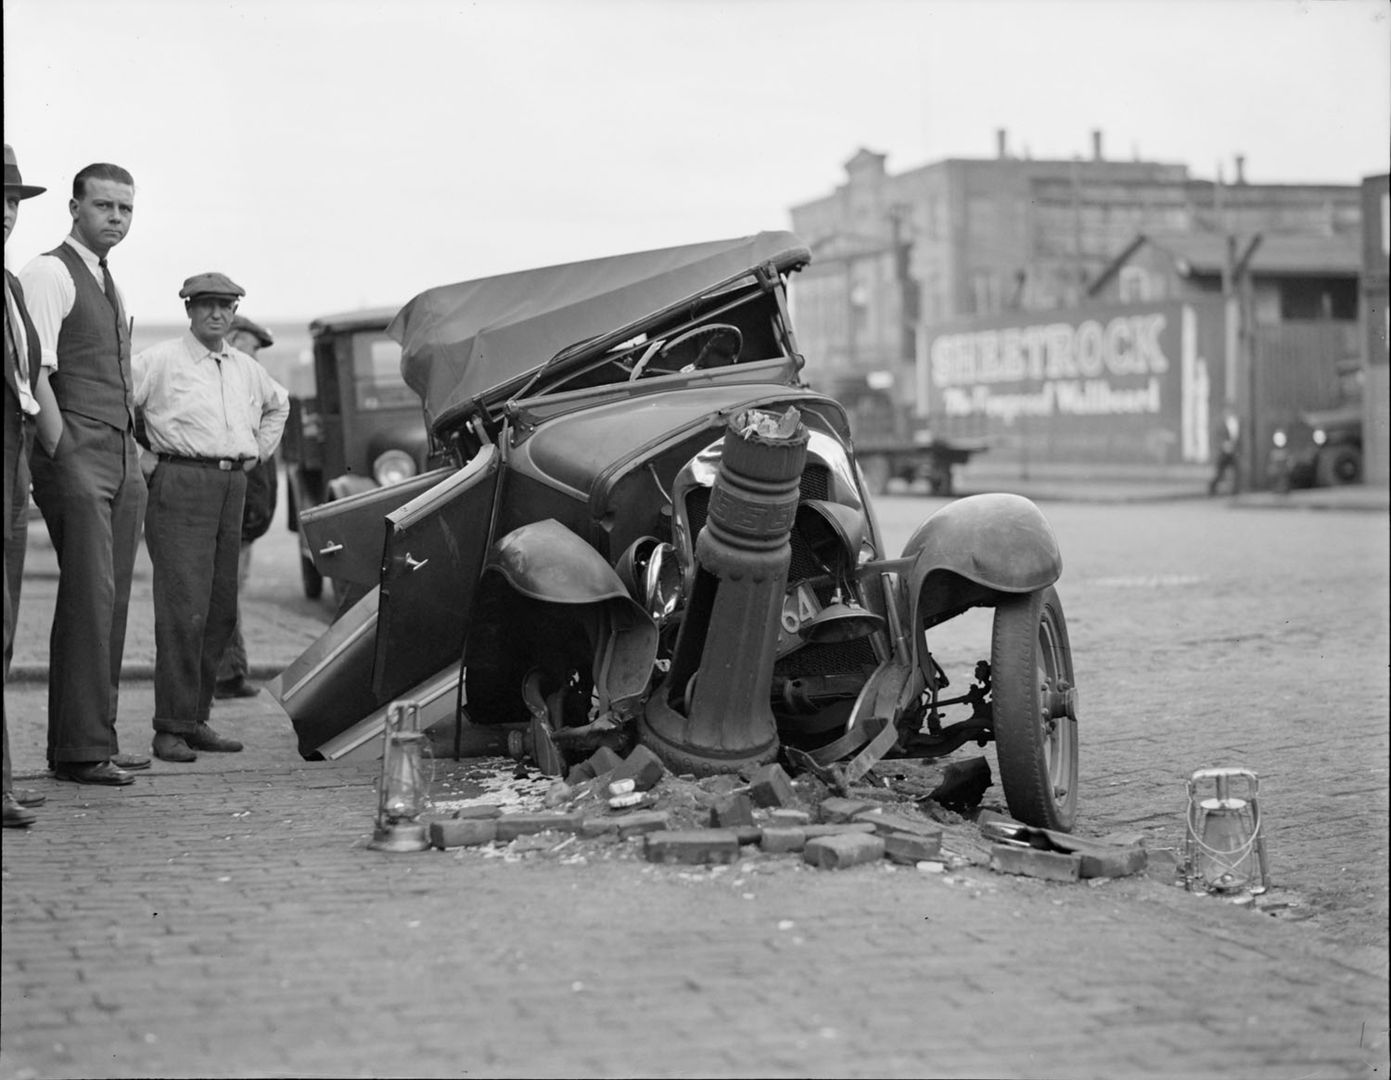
211 284
256 330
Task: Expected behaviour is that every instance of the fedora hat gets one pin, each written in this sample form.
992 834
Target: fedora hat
13 182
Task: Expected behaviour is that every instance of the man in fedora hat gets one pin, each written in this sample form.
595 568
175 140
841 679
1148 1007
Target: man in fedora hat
250 337
87 478
26 389
212 413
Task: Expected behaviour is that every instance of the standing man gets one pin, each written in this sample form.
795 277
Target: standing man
1228 439
88 482
25 385
211 414
232 672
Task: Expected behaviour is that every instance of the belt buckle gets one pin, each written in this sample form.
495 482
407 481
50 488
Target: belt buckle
225 464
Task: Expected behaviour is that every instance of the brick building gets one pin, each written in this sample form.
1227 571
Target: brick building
983 237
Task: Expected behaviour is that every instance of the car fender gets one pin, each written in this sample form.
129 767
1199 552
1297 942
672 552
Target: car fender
975 548
547 561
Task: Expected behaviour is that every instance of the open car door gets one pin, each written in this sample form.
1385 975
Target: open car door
435 547
345 536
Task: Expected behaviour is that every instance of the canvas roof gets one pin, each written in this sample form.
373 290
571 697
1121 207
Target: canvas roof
463 340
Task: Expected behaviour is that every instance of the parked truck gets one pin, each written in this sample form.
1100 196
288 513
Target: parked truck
892 442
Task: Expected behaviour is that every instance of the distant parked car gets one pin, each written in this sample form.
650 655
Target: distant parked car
1319 449
362 428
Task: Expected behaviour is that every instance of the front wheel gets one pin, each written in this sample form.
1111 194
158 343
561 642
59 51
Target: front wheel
1035 710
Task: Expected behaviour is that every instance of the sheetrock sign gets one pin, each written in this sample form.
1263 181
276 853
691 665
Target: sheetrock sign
1117 383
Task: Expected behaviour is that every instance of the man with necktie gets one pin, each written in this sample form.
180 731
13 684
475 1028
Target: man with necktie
212 414
28 401
87 481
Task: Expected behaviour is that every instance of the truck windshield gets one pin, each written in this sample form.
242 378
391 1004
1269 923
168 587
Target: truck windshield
377 382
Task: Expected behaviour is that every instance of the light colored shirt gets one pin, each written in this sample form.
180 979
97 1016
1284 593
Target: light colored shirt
49 294
208 403
27 403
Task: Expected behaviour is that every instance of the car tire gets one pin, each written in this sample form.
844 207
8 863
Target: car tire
1034 710
1339 465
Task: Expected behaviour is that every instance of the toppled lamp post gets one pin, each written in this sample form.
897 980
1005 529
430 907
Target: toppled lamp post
712 713
401 789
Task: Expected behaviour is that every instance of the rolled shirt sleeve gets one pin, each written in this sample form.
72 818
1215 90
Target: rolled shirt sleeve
49 294
275 410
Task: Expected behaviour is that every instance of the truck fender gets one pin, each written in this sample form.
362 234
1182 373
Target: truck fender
975 548
546 561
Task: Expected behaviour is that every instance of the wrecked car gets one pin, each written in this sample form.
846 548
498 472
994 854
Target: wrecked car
651 529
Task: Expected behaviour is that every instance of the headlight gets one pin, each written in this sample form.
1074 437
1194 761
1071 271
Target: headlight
1279 439
1320 436
393 466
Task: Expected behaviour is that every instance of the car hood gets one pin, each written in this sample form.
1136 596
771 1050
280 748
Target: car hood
460 342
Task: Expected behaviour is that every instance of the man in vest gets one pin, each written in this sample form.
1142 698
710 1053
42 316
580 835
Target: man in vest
28 402
88 482
212 414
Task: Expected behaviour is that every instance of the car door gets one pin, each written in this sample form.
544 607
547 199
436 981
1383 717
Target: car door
434 553
345 536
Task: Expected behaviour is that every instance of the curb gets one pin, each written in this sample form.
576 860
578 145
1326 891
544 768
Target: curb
142 672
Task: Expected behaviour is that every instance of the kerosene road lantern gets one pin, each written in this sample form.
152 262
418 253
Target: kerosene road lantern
401 790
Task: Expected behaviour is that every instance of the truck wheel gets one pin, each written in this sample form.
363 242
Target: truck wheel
1339 465
1035 710
312 579
876 474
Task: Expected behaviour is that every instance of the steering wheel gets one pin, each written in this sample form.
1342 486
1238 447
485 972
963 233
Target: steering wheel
712 345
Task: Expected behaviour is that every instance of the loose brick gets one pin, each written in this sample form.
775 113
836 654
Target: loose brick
843 851
462 832
578 774
692 846
771 786
643 823
778 840
643 766
911 847
836 809
603 760
896 823
481 810
814 831
591 827
1122 862
1031 862
731 811
511 826
748 834
789 818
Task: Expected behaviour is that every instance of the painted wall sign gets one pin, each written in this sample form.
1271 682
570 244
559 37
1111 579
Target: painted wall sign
1119 383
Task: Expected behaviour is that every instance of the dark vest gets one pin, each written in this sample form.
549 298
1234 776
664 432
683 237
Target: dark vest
93 376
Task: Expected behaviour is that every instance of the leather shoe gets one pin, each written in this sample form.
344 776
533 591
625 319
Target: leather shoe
92 772
130 762
234 688
16 816
205 738
29 797
170 747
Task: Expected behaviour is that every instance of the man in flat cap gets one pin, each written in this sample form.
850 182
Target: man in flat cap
26 392
211 414
87 476
232 672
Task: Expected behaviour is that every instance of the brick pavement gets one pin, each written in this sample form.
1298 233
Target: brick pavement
226 919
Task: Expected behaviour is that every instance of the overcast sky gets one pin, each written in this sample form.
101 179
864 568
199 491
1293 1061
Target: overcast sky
328 154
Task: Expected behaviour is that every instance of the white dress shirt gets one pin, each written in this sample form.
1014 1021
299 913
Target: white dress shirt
209 403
